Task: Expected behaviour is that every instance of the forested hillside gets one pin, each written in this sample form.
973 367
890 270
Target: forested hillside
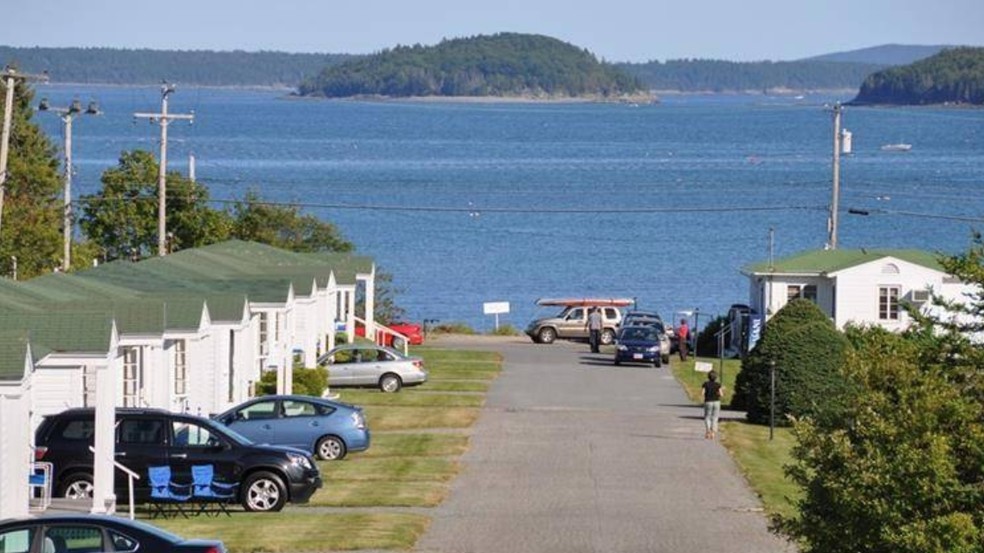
194 67
692 75
505 64
952 76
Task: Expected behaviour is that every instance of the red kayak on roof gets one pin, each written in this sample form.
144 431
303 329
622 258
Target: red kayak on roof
586 302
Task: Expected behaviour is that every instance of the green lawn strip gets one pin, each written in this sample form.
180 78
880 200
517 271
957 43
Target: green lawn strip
762 462
384 417
459 372
692 380
294 531
402 469
380 493
407 398
433 354
414 445
456 386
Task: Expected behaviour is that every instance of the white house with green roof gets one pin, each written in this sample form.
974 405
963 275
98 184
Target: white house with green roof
852 286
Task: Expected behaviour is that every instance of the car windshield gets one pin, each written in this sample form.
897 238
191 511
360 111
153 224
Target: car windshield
639 334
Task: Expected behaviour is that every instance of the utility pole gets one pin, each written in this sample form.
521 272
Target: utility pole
835 200
164 119
67 116
10 77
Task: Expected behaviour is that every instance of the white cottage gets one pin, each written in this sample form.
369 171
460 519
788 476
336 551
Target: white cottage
852 286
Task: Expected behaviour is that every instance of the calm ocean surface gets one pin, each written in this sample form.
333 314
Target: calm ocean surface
678 188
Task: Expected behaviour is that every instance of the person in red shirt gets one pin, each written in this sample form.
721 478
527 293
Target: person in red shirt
683 337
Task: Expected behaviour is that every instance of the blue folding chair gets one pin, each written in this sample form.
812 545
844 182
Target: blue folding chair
206 490
164 493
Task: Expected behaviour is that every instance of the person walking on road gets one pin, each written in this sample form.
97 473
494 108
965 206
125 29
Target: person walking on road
683 339
594 329
711 391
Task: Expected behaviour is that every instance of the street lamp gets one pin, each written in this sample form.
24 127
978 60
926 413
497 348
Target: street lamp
67 116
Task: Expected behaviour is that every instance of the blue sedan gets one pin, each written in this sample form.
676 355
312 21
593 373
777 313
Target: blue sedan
328 429
638 344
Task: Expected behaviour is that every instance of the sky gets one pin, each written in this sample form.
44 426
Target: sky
614 30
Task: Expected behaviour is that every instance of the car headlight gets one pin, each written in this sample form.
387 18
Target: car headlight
653 349
622 347
300 461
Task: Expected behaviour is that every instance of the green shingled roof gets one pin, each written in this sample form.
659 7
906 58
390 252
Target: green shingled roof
13 351
75 312
830 261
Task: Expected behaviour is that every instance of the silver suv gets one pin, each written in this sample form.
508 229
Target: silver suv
572 324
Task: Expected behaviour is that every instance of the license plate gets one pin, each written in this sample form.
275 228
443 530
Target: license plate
637 356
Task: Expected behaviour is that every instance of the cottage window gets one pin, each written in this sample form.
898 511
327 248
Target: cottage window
180 368
88 386
805 291
264 334
132 376
888 303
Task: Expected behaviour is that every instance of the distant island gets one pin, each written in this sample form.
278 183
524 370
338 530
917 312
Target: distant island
120 66
953 76
504 65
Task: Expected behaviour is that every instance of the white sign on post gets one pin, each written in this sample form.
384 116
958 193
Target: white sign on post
703 367
494 308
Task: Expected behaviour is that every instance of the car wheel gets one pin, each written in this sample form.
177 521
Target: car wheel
77 486
390 383
398 343
546 335
264 491
658 362
666 359
330 448
607 337
618 361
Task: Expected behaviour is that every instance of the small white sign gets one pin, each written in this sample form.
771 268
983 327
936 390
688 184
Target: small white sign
495 307
703 367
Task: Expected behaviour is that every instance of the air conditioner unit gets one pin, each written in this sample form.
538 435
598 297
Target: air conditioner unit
919 296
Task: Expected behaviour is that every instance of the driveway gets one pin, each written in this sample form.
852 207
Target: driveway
572 454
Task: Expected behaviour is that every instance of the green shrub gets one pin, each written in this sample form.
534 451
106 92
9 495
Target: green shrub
307 382
505 330
453 327
808 352
707 342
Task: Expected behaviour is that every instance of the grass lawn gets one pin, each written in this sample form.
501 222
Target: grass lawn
383 418
403 469
410 397
457 386
294 531
414 445
380 493
760 460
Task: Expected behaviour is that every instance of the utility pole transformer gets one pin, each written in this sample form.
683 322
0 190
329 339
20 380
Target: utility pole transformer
835 200
68 116
163 118
10 77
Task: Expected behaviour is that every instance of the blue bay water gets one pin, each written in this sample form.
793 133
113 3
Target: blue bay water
664 203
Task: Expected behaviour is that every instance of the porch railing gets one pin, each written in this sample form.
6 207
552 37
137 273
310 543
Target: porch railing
131 476
384 335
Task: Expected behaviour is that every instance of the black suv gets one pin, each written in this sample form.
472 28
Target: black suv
268 476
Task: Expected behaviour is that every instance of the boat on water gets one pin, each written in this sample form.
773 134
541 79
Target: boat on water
900 147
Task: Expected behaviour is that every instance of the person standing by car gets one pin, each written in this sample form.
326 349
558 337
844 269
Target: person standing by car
594 329
711 391
683 338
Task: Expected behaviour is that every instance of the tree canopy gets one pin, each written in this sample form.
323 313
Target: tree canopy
189 67
955 75
504 64
32 205
697 75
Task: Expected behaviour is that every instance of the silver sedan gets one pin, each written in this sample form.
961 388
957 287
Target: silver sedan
372 365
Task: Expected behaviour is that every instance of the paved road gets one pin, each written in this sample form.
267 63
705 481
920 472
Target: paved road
572 454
